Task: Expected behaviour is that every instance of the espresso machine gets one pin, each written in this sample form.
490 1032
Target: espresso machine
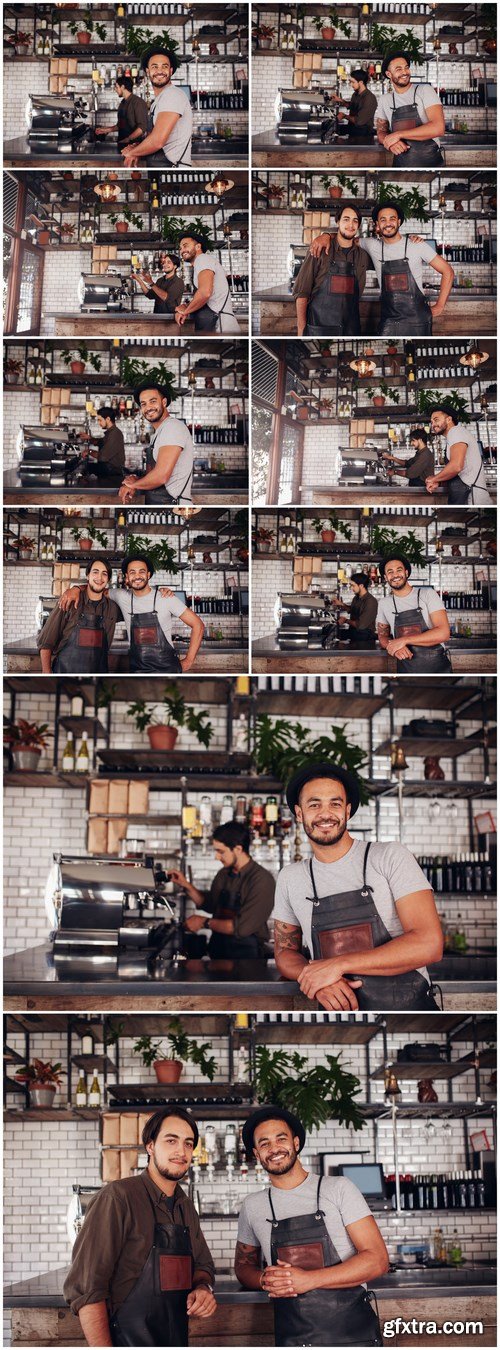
106 293
302 620
362 467
111 918
303 115
56 121
295 258
48 456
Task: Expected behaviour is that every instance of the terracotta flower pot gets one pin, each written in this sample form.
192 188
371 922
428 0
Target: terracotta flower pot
328 536
162 737
43 238
77 367
335 192
168 1070
328 34
42 1095
136 175
392 349
85 545
83 38
378 401
303 413
490 46
121 226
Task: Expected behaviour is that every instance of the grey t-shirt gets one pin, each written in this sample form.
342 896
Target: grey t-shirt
167 607
175 432
340 1199
425 597
392 871
178 146
473 469
417 255
424 95
221 300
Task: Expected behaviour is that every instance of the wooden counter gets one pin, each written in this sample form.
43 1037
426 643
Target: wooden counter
127 324
16 493
213 659
20 153
476 658
464 314
460 152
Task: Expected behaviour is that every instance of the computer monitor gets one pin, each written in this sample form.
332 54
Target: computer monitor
182 596
368 1177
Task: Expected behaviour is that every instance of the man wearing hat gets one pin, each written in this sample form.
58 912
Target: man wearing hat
309 1242
141 1267
327 289
356 923
399 263
412 623
170 127
170 454
409 119
212 302
464 473
148 612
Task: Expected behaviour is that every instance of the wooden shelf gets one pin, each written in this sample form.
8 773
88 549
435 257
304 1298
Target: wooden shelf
420 746
442 1069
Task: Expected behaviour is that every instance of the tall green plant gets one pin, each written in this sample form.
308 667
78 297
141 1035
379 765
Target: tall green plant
280 747
135 372
412 202
315 1093
161 555
174 227
139 39
429 399
387 40
384 541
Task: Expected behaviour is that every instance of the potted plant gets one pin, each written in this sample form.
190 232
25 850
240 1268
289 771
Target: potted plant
327 527
264 540
12 370
124 219
317 1093
412 201
174 227
428 398
336 189
87 536
77 360
24 546
325 407
161 555
26 741
281 747
328 23
385 40
380 394
384 540
180 1050
21 42
264 34
134 372
83 28
139 39
42 1080
162 723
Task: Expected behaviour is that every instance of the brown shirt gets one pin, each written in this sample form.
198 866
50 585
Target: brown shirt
111 448
255 888
59 626
362 108
314 270
116 1238
364 611
420 466
174 290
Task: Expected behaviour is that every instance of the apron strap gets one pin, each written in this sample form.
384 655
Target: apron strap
315 893
318 1210
274 1219
406 247
155 599
365 863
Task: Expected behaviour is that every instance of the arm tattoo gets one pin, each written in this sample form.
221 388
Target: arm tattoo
246 1255
287 937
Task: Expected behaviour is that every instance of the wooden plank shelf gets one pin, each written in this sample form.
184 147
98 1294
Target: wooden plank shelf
421 746
442 1069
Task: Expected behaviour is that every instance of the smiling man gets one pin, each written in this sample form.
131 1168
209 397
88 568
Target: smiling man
464 472
141 1267
329 285
412 623
77 642
356 923
409 120
309 1242
211 306
170 453
170 125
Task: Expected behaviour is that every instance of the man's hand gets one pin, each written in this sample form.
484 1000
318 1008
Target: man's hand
200 1302
339 996
186 664
432 484
69 597
277 1281
318 974
394 143
178 878
130 157
320 245
166 591
437 309
180 314
417 239
195 922
397 647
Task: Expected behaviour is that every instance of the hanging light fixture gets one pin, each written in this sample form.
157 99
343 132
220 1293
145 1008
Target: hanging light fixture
398 761
475 357
219 185
191 379
108 190
186 512
362 365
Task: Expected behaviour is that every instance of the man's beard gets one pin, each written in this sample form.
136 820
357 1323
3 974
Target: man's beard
154 416
403 80
347 237
389 229
398 585
321 839
282 1168
167 1172
161 82
138 585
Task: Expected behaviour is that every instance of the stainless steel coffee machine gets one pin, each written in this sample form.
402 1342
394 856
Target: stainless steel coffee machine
107 293
302 619
57 120
48 455
302 115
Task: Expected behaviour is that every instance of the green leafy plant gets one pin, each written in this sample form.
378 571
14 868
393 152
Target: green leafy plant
105 695
383 389
331 522
386 40
342 180
385 540
89 532
42 1073
412 202
173 711
174 228
135 372
162 555
85 23
82 354
139 39
315 1093
281 747
332 20
128 215
178 1046
429 399
23 735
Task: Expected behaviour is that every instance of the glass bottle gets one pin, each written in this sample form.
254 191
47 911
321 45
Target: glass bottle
68 759
83 757
81 1090
95 1092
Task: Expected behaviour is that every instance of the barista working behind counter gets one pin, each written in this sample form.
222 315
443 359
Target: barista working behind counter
362 612
420 466
167 291
240 899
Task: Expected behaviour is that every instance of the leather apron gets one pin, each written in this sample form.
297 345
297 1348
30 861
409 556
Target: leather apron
150 650
155 1310
350 922
322 1316
160 496
425 660
159 159
333 308
404 308
86 651
420 154
460 493
206 319
229 946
